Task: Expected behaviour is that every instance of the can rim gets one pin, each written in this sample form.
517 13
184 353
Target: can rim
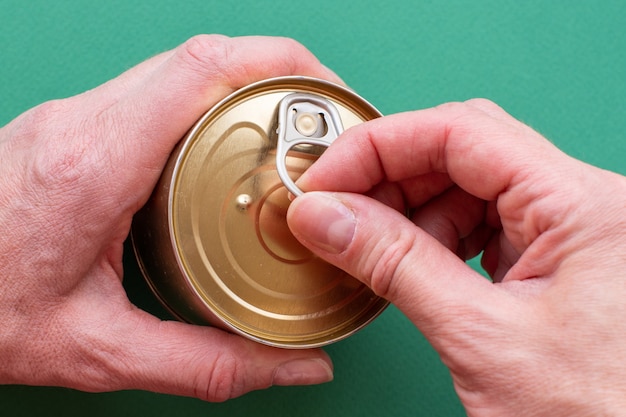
326 87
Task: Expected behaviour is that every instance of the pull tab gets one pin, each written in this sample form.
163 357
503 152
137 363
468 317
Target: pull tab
304 119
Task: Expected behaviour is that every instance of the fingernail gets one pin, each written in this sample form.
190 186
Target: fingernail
324 221
303 372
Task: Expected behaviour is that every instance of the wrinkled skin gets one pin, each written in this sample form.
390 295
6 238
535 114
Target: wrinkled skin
548 336
72 174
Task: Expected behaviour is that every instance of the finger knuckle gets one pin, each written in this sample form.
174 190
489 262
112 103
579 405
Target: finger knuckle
48 111
53 150
56 167
224 380
205 53
482 103
28 127
452 107
387 271
295 56
292 47
462 109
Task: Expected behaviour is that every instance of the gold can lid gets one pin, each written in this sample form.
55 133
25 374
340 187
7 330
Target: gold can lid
227 218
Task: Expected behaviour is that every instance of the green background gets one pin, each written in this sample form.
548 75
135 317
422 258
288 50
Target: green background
559 66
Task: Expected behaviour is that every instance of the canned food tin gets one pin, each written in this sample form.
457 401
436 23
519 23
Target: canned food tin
213 242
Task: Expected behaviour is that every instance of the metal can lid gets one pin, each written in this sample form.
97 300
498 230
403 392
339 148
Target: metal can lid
226 215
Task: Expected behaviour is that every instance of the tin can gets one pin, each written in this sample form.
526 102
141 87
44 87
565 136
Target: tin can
213 242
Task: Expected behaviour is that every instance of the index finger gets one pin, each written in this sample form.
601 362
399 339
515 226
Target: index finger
476 144
120 134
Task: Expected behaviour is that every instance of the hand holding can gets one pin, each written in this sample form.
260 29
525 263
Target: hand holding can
547 336
73 173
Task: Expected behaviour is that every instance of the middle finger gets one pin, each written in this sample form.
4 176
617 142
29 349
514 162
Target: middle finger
452 218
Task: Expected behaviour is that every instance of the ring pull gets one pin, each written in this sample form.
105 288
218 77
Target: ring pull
304 119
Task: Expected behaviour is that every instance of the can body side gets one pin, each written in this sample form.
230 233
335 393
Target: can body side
155 251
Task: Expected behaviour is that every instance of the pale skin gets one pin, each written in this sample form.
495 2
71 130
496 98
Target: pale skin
548 336
546 339
72 174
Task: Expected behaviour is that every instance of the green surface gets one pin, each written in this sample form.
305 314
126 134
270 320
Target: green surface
559 66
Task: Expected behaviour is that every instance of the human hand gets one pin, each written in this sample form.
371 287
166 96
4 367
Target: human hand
72 174
548 337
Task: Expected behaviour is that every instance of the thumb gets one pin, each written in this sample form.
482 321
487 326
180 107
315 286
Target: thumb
386 251
181 359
